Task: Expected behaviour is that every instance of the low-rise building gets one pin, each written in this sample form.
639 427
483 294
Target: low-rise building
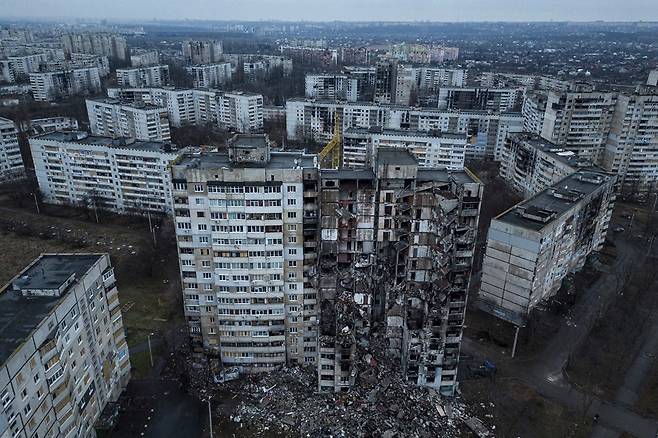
135 120
532 246
11 162
63 350
115 174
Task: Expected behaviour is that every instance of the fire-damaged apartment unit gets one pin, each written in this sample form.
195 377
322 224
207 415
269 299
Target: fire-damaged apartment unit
396 249
284 263
535 244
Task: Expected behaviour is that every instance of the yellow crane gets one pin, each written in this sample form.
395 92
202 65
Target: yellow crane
333 147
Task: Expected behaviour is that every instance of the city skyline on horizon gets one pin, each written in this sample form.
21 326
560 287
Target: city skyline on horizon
443 11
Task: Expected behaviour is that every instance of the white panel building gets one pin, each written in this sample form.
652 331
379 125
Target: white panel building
63 350
240 111
486 131
11 162
440 150
152 76
210 75
240 228
113 174
135 120
53 85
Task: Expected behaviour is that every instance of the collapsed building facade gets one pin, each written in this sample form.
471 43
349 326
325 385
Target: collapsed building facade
284 263
395 255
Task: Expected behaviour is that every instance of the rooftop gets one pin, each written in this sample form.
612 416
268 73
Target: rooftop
378 130
20 315
537 212
553 150
399 156
82 138
128 103
218 160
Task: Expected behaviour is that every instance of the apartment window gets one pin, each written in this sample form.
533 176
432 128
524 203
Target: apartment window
292 330
200 214
292 251
207 275
292 263
292 239
292 227
292 201
180 186
292 215
202 227
204 239
205 263
292 286
291 189
184 225
198 188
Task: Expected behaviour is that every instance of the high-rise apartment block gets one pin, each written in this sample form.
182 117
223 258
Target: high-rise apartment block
202 52
491 99
631 149
530 163
63 351
579 121
115 174
486 131
11 162
246 222
423 53
241 111
237 110
144 58
534 245
151 76
110 45
395 250
331 87
53 85
134 120
431 149
210 75
284 263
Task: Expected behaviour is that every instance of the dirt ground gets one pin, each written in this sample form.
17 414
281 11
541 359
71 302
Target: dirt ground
600 365
648 403
515 410
147 275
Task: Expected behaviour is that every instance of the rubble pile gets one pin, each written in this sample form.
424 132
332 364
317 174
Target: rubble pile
379 405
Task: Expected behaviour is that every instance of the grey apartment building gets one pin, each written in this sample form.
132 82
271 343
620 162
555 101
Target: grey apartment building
63 351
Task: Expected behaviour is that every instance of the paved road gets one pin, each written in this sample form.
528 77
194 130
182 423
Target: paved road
544 371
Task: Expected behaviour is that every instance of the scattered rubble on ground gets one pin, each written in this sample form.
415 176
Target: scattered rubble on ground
285 402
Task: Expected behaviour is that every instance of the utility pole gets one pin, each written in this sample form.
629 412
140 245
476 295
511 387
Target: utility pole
210 417
36 202
148 340
516 338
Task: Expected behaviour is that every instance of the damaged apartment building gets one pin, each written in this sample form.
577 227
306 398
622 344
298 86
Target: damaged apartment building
532 246
396 248
285 263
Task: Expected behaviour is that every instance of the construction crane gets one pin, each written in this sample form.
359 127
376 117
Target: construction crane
333 147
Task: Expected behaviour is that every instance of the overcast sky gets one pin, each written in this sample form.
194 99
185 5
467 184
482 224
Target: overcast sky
348 10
